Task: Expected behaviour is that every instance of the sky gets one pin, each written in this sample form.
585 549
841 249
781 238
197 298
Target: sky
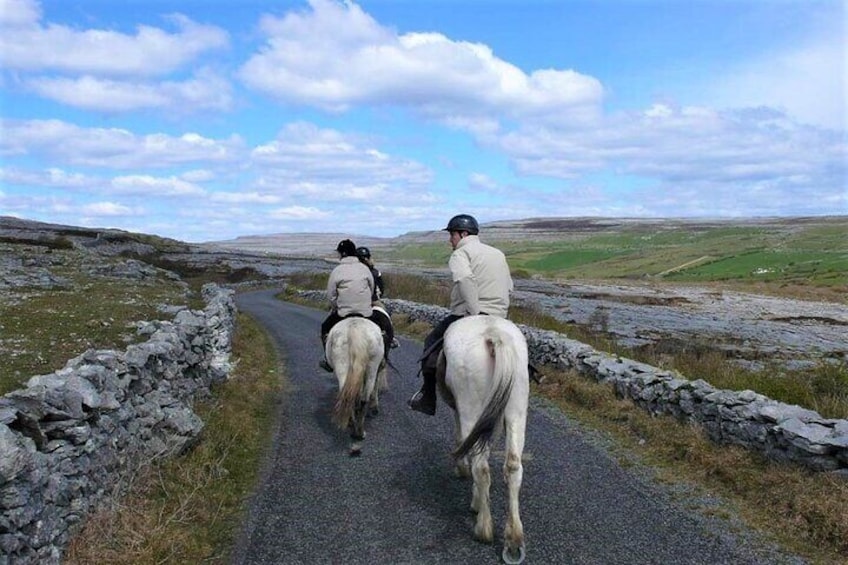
205 120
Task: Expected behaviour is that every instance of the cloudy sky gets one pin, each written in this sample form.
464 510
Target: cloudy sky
208 119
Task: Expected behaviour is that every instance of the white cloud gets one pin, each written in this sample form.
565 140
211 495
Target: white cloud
197 175
27 44
106 209
335 56
481 181
305 159
112 147
687 145
51 177
149 186
244 198
298 213
204 91
19 13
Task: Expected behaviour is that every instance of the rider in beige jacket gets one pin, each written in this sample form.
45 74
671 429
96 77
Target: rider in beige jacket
350 287
349 291
481 285
481 279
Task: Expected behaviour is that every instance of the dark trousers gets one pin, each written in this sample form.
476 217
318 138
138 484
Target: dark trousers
384 322
438 332
433 346
328 324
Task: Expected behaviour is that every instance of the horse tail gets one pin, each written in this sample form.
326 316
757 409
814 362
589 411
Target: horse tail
350 394
502 349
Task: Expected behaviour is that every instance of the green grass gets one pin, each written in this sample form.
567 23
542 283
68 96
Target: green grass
813 254
40 330
770 265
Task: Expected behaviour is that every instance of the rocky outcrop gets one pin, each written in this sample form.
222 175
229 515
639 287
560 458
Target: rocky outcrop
780 431
68 438
753 330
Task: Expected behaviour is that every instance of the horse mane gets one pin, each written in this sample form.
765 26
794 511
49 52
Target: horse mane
502 350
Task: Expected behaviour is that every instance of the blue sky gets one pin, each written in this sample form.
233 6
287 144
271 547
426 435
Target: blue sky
205 120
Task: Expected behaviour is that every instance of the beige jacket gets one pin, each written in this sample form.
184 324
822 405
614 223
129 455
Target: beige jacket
481 279
350 287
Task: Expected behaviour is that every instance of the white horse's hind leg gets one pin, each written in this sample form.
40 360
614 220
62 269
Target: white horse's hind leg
382 378
463 467
513 474
483 529
373 392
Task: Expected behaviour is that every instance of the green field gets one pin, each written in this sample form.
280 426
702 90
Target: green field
790 251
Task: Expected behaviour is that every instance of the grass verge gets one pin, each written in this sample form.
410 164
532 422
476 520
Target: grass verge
803 511
189 509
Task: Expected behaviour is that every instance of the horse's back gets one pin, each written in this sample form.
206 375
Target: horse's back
356 324
470 335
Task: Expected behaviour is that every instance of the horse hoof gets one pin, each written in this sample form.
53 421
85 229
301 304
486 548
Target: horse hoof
355 450
513 556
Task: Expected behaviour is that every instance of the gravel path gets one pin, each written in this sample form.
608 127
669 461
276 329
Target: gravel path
400 503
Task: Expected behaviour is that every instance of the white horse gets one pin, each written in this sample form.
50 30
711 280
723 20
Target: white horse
483 376
355 351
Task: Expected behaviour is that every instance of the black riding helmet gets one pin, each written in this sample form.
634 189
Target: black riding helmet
363 252
346 248
463 222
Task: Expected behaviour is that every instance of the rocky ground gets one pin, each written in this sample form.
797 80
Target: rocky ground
754 329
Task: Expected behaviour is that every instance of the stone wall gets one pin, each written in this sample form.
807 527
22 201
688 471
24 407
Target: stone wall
71 438
780 431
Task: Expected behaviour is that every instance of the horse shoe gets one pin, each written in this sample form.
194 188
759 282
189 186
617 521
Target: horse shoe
507 555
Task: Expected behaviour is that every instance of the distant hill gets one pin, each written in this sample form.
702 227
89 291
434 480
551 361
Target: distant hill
529 229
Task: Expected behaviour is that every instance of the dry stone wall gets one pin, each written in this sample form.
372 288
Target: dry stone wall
69 439
780 431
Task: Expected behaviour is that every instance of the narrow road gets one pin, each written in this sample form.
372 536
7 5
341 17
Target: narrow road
399 503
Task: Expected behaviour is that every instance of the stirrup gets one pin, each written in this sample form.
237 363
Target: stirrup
395 343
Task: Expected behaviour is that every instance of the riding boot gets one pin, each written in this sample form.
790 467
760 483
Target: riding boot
424 400
535 374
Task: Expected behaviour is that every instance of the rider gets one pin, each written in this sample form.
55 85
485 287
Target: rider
381 315
364 255
349 290
481 285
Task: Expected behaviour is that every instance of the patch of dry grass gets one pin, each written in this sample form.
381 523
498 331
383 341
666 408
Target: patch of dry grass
802 510
189 509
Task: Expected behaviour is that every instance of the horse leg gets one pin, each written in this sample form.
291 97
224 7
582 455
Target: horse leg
382 379
374 397
358 421
483 529
462 468
513 474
